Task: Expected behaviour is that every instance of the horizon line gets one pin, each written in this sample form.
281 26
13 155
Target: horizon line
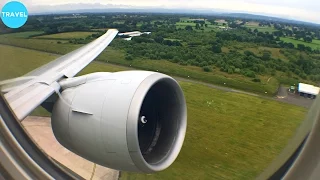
214 12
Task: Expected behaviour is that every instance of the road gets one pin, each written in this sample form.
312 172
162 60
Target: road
282 96
39 128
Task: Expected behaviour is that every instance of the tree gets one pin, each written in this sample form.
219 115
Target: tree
303 75
167 42
207 69
189 28
250 74
204 63
197 26
278 33
206 25
286 45
266 55
129 57
307 39
298 36
249 53
230 71
301 47
256 80
183 63
308 48
216 48
158 39
255 31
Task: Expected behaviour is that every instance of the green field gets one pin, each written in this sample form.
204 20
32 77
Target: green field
50 46
261 28
182 25
314 45
16 62
234 137
66 36
118 57
22 34
215 77
274 51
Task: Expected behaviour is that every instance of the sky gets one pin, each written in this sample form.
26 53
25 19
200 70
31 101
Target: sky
305 10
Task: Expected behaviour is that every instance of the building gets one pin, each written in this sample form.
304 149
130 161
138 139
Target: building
128 39
224 28
308 90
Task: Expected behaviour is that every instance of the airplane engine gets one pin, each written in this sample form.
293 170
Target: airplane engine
131 121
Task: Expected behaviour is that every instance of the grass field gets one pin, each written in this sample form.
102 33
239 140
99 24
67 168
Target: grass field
50 46
185 23
66 36
314 45
229 139
234 137
274 51
261 28
16 62
215 77
118 57
255 25
22 34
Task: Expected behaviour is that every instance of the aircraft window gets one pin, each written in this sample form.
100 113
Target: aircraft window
235 90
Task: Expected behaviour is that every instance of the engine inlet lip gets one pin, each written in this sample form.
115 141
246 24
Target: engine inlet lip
132 125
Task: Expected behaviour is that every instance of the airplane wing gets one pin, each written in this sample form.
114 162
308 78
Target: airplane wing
41 83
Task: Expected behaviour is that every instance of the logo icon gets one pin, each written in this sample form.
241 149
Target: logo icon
14 14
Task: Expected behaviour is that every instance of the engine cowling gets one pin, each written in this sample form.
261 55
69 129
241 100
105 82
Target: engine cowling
131 121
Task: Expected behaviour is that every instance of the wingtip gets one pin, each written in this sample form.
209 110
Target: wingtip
113 30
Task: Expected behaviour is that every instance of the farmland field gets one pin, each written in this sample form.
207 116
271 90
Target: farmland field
66 36
21 34
261 28
255 25
314 45
210 27
51 46
118 57
229 135
189 22
16 62
274 51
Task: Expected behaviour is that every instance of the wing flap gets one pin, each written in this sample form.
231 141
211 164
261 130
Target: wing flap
25 97
24 105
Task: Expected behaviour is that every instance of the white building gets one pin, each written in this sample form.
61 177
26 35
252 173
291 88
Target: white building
308 90
128 39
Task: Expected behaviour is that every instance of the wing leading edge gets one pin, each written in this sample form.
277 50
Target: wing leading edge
23 98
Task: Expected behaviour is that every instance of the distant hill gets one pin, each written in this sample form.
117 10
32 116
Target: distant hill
266 18
99 8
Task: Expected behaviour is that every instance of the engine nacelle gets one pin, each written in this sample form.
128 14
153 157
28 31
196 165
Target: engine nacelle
131 121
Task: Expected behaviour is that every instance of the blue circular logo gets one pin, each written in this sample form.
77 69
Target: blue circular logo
14 14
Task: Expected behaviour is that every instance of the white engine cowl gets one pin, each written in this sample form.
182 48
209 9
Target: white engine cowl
132 120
